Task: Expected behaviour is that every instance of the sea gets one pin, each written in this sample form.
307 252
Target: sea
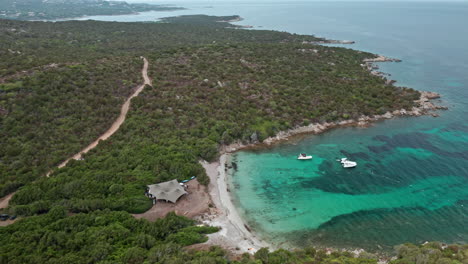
411 182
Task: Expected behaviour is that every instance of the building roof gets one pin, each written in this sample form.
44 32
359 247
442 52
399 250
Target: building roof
169 191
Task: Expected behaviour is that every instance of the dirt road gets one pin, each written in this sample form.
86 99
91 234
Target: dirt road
5 200
117 123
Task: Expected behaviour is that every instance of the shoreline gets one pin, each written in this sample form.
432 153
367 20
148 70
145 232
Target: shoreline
236 26
330 41
424 106
234 235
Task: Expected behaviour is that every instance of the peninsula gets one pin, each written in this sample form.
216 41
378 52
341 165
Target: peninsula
63 84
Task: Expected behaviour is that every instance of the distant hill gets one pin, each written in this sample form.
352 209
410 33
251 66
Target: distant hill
56 9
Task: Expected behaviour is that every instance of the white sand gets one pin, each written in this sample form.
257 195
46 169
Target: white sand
233 235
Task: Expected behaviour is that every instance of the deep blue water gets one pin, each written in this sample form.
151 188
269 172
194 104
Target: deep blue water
411 184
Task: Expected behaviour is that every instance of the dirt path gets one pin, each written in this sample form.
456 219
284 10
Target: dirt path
117 123
6 200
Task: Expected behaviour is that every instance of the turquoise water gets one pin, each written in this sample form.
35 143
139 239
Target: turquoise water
411 184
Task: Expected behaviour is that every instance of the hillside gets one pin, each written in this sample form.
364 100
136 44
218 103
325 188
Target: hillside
266 82
83 71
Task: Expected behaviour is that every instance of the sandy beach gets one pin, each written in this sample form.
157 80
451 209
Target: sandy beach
234 234
214 206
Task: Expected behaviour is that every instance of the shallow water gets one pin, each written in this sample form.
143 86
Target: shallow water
408 186
411 184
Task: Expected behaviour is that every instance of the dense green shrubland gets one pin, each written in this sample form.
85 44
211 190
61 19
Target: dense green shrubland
116 237
98 237
42 43
247 85
62 84
47 114
206 96
431 253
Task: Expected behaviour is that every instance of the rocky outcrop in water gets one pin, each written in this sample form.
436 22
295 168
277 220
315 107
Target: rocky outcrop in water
329 41
381 58
370 65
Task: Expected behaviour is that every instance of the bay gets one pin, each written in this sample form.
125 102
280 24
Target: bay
411 183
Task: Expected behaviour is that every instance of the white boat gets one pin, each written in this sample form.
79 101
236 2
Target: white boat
304 156
347 163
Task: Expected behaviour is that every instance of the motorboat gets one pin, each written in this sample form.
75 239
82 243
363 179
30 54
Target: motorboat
304 156
347 163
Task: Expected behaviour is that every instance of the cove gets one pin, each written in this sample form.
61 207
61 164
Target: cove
412 179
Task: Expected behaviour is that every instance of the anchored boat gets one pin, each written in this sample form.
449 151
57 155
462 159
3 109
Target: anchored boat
304 156
347 163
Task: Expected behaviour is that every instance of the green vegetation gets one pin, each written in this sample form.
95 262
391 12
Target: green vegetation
57 9
431 253
98 237
83 71
28 45
62 84
223 85
46 115
207 96
116 237
202 20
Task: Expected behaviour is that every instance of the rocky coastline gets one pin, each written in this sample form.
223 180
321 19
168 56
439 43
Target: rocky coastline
236 236
236 19
330 41
423 106
373 68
